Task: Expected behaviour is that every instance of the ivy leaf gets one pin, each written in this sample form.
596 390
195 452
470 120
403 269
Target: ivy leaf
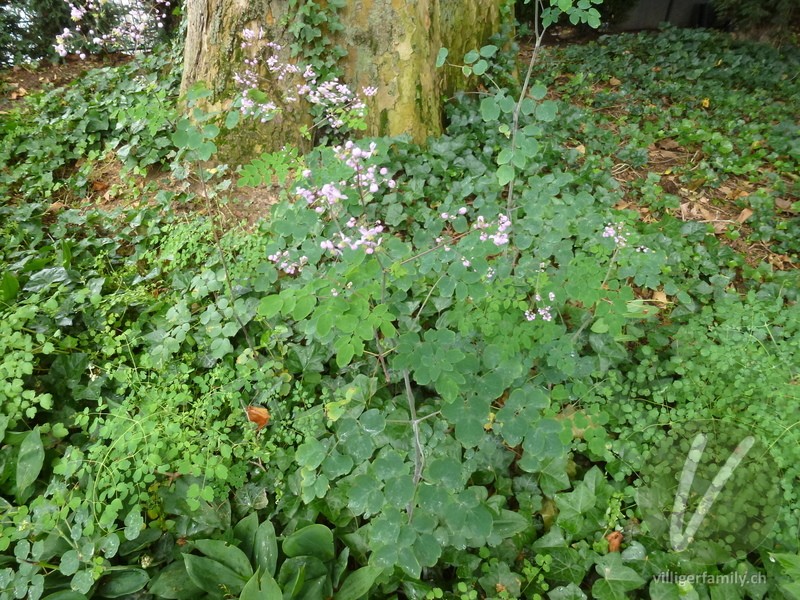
471 56
617 579
441 57
566 565
568 592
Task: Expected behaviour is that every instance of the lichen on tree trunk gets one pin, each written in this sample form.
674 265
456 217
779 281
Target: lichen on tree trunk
391 44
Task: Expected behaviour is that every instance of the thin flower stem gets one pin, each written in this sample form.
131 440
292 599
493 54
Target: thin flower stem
419 457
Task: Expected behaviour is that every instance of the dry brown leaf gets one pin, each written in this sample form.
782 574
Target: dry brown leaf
665 155
614 81
257 415
99 186
784 204
660 298
56 207
668 144
744 215
614 541
581 149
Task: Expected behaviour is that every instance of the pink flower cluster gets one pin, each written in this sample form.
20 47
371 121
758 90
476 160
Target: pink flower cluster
128 30
338 101
284 263
616 232
620 237
543 312
368 238
366 178
500 237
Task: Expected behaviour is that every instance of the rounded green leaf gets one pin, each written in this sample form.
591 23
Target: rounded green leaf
270 306
441 57
303 307
505 174
69 563
488 51
538 91
546 111
490 110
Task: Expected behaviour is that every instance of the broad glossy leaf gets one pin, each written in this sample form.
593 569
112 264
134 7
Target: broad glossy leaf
314 540
30 460
228 555
261 588
174 583
121 583
209 574
266 548
358 583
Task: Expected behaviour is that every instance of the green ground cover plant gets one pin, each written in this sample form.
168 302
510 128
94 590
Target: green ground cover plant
468 351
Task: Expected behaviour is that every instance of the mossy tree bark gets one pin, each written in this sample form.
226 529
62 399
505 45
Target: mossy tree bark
391 44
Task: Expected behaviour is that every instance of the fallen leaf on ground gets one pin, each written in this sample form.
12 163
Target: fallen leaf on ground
614 81
744 215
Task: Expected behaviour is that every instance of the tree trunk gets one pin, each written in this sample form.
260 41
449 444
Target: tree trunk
391 44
